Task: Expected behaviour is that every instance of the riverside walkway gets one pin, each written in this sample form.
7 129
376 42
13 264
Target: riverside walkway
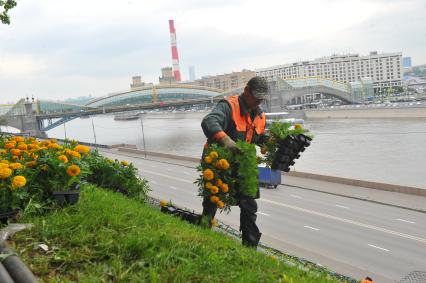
353 230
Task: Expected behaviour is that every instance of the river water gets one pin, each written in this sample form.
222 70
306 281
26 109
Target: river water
382 150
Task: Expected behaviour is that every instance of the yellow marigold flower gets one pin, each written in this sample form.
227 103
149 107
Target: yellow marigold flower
214 199
15 166
213 154
43 148
32 146
208 175
224 188
124 163
31 164
214 189
73 170
15 151
4 161
220 204
297 126
208 159
2 151
219 182
208 185
19 139
73 153
9 145
214 222
53 145
4 165
63 158
45 143
224 164
22 146
18 182
163 203
5 173
82 149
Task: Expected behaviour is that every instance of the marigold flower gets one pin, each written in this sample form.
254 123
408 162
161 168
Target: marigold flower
32 146
73 153
219 182
14 158
4 161
213 154
214 189
53 145
22 146
15 166
214 222
31 139
45 143
208 185
222 164
18 182
214 199
2 151
82 149
208 159
73 170
63 158
224 188
220 204
124 163
4 165
208 175
19 139
15 152
297 126
163 203
5 173
9 145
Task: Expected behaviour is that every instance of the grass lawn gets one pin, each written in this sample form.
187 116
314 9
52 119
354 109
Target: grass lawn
107 237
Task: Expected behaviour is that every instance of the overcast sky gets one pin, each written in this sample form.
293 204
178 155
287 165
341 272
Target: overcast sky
70 48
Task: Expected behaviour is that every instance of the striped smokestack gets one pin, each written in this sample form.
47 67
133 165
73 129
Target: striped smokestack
175 56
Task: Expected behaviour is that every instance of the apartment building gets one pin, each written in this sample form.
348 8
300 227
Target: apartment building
384 69
226 81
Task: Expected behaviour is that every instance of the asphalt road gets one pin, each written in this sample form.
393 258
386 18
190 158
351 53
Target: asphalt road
352 237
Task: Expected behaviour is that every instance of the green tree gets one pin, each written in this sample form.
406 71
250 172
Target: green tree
5 6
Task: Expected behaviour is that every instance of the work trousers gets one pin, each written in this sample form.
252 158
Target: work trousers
249 230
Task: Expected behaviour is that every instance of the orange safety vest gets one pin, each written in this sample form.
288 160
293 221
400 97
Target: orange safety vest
244 123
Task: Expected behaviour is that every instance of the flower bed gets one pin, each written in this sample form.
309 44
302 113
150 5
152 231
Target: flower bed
32 172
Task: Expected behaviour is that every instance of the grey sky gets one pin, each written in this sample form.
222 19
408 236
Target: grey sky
63 48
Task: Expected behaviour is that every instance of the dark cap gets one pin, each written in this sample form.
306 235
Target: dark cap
258 87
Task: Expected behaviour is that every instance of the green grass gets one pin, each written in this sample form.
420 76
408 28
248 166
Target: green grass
109 238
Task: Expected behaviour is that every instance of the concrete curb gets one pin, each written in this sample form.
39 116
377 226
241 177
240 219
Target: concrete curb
340 180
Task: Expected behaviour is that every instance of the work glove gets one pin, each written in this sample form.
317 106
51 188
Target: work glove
228 143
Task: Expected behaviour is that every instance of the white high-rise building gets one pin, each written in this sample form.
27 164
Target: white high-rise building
384 69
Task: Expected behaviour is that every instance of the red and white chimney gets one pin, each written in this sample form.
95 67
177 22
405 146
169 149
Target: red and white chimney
175 56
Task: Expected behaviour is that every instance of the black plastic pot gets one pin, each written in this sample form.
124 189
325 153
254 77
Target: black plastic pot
66 198
8 216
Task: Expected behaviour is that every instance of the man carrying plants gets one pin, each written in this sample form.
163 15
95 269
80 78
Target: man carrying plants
238 118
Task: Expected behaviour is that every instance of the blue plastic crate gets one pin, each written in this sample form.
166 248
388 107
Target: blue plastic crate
267 176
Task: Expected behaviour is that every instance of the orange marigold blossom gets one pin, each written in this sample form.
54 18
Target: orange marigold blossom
5 173
124 163
222 164
214 199
214 189
9 145
22 146
15 166
4 161
163 203
208 185
297 126
208 175
219 182
224 188
208 159
18 182
73 170
82 149
4 165
220 204
15 151
63 158
213 154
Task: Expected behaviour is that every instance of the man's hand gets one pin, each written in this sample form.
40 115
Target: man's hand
228 143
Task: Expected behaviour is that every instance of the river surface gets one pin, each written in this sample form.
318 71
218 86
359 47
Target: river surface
382 150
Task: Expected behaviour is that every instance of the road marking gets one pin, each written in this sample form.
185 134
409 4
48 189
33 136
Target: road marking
167 176
411 222
312 228
295 196
341 206
173 188
372 227
266 214
376 247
